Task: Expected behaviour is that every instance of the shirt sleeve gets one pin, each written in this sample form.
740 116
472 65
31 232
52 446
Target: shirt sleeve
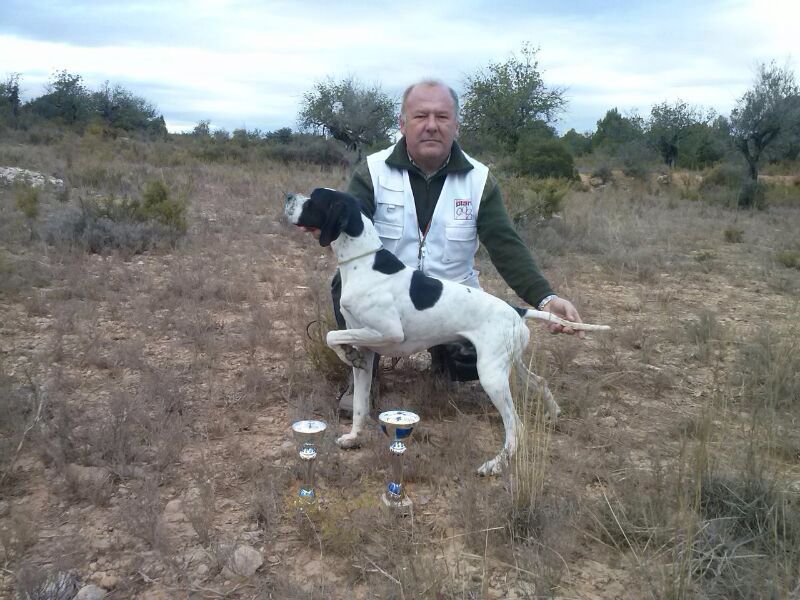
508 253
360 186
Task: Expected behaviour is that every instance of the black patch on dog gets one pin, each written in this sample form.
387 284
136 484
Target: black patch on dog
387 263
520 311
332 213
424 291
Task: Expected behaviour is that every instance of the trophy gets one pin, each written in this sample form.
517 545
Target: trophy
398 425
308 434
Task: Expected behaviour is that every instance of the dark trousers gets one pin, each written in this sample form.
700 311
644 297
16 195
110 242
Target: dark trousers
457 360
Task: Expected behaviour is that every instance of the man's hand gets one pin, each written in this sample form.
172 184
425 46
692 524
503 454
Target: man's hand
564 308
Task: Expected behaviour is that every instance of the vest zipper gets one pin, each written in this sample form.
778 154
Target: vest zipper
422 239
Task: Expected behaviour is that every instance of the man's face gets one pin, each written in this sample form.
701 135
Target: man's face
429 125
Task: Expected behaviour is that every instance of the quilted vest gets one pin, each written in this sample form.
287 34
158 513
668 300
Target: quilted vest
448 249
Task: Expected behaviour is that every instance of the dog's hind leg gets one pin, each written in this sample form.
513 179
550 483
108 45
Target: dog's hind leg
362 381
493 371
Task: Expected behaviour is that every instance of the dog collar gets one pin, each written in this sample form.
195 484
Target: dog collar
357 256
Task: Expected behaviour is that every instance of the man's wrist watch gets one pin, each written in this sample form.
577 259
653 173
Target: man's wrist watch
546 300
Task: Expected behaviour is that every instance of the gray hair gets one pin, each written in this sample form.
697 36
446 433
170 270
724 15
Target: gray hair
430 83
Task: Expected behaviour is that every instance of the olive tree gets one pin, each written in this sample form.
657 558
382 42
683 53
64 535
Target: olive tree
350 112
670 124
615 130
66 99
509 100
766 110
9 99
123 109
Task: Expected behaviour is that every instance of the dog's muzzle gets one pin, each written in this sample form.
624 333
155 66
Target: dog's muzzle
293 207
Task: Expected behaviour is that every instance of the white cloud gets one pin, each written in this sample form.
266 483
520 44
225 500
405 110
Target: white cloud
239 62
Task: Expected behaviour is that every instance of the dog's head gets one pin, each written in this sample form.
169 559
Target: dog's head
328 211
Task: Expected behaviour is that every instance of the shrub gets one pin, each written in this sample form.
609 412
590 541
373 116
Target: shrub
603 173
768 369
130 225
724 175
26 199
544 158
788 259
157 206
635 157
533 199
752 194
734 235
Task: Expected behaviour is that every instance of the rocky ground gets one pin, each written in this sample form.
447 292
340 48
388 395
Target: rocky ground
154 396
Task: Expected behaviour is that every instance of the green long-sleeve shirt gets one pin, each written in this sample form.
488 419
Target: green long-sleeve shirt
507 251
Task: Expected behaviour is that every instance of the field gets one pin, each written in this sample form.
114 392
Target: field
147 400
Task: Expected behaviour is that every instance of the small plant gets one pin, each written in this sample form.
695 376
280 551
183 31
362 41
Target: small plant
320 356
129 225
724 175
752 194
768 368
26 199
157 205
788 258
200 509
603 173
531 200
703 332
733 235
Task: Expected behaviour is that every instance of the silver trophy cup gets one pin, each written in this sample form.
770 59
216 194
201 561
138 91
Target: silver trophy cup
398 425
308 435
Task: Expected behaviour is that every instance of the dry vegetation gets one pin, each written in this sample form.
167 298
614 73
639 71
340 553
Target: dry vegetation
146 399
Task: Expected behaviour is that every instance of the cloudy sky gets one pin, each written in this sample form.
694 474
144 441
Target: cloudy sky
247 63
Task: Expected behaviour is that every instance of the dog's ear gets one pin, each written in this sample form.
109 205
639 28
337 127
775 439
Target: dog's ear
341 214
335 211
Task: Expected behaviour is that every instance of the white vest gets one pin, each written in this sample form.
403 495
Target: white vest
449 247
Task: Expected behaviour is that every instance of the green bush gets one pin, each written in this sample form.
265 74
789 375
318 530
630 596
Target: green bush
725 175
752 194
788 258
529 199
26 199
543 158
603 173
734 235
158 206
637 157
129 225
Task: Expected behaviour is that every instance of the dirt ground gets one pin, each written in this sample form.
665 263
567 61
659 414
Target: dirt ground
160 389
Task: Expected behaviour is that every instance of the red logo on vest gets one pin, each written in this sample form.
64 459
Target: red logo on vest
463 210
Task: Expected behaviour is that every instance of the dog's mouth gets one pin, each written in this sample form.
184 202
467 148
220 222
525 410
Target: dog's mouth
308 229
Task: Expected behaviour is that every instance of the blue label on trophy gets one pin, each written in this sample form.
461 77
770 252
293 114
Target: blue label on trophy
306 493
394 489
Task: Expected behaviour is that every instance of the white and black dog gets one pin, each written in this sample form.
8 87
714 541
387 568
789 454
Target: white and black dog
394 310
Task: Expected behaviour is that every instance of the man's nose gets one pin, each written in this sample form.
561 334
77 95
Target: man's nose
430 122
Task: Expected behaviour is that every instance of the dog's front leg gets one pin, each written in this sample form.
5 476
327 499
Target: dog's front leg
348 343
362 382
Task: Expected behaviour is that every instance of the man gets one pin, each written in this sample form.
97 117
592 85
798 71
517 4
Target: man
431 204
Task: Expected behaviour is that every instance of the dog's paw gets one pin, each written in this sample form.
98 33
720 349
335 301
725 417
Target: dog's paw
348 441
496 466
355 357
552 414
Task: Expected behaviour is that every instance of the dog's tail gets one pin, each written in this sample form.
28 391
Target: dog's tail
547 316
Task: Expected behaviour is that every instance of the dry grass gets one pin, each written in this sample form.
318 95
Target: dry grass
671 474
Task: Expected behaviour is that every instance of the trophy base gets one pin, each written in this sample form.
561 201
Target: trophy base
403 507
